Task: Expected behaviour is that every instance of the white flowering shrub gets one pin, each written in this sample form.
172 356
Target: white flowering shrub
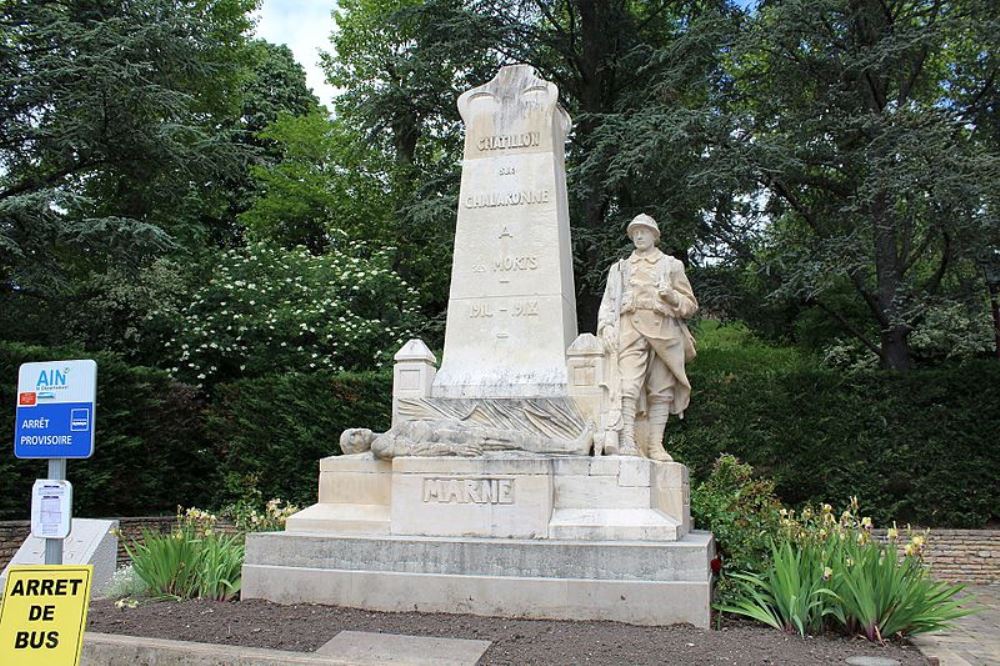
266 309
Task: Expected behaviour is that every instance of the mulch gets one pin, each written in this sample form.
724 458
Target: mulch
305 627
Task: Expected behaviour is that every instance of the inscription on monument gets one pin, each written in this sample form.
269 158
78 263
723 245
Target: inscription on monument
508 141
461 490
514 308
518 198
522 263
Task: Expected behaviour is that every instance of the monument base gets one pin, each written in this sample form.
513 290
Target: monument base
638 582
514 495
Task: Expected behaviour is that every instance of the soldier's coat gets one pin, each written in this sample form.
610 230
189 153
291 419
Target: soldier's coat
649 329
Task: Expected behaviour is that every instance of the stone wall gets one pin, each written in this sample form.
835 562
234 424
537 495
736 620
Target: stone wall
967 556
12 535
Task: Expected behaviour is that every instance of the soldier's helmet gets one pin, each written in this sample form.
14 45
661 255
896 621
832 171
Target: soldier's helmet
643 220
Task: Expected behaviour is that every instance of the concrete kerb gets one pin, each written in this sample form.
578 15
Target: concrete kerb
355 648
114 650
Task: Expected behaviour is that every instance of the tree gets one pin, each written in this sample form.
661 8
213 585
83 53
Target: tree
610 61
273 85
110 113
855 118
325 181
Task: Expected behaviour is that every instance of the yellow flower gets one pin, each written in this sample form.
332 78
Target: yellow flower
866 523
827 573
893 532
908 551
854 502
827 508
784 513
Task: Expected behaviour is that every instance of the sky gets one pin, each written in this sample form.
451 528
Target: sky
305 26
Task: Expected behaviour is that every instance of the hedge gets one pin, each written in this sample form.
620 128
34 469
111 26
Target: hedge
272 431
151 452
919 447
160 444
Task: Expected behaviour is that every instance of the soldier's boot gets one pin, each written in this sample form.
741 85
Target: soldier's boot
626 444
658 414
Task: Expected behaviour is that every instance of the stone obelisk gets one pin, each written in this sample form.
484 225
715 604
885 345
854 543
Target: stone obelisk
512 307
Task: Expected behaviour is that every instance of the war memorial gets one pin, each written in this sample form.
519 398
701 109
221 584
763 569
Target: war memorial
525 476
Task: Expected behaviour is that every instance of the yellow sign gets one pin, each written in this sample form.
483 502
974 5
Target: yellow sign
43 614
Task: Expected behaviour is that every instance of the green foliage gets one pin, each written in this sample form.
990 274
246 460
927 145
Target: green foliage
166 563
326 181
111 115
791 593
911 445
851 134
193 561
824 568
251 514
220 566
272 430
258 438
742 512
151 452
265 310
879 595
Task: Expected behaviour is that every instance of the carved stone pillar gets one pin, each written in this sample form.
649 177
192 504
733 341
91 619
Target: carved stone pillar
412 374
587 376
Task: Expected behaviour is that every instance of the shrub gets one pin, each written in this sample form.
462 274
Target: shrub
743 513
125 583
790 594
266 310
878 595
248 515
824 568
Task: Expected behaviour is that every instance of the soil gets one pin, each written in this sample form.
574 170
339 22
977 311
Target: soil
305 627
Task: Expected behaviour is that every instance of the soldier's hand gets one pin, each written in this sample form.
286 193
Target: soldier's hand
670 296
609 338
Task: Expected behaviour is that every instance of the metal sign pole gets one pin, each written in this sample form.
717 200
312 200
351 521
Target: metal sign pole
54 547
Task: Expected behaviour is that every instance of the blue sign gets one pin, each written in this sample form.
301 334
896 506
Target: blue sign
55 410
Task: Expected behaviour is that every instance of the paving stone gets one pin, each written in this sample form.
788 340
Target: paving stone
390 649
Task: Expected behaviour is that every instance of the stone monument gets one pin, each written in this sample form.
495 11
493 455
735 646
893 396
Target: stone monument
523 477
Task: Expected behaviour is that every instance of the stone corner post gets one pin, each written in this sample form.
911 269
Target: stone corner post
412 374
586 375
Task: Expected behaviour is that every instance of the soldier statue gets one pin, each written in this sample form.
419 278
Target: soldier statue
642 324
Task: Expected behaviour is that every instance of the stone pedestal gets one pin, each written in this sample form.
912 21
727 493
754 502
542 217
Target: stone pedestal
649 583
501 496
514 535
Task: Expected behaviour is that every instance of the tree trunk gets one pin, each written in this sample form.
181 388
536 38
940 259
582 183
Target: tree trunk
995 309
888 274
595 68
